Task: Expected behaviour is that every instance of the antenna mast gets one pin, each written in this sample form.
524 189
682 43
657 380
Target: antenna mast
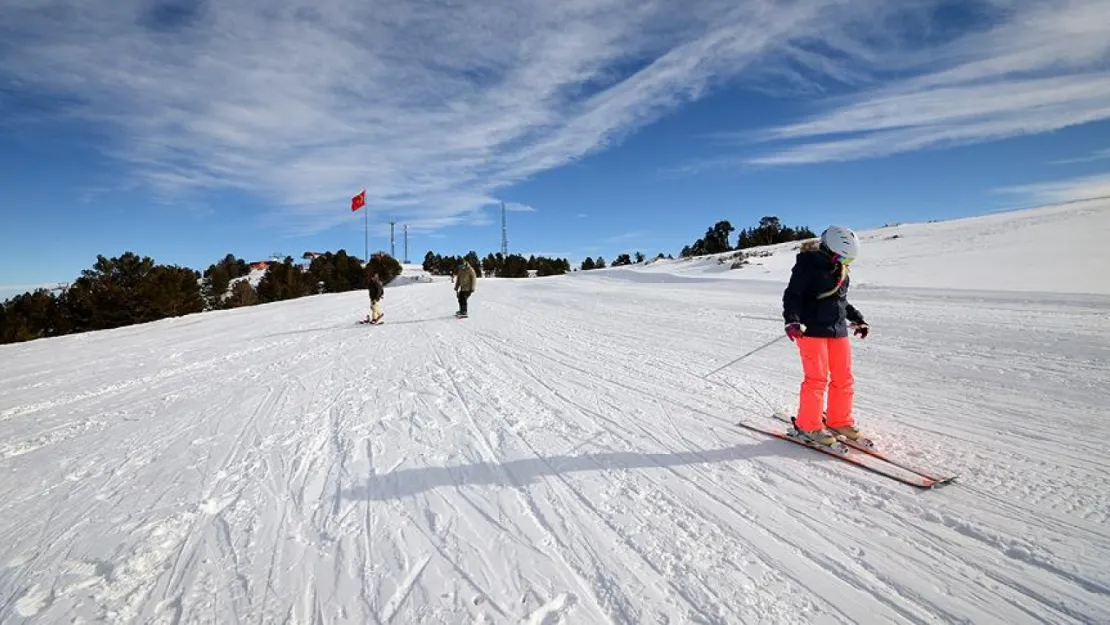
504 232
392 241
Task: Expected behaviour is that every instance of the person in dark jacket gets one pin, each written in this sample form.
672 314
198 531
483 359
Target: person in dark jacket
466 280
377 291
818 317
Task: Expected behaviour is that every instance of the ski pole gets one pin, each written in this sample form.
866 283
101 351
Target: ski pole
761 347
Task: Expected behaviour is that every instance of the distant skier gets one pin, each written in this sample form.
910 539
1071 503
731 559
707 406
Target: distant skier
817 314
377 291
466 279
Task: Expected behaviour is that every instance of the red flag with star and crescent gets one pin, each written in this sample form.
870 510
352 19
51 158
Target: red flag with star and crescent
358 201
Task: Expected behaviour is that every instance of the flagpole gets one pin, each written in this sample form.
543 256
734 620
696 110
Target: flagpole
359 202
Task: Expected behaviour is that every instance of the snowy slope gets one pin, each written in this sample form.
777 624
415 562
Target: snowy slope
560 458
253 278
1052 249
415 274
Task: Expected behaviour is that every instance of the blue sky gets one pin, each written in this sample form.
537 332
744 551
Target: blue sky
186 130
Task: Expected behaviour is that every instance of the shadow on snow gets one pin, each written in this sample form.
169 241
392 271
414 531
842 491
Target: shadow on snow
354 325
520 473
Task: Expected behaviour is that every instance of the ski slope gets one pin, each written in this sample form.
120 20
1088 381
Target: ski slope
1054 249
560 457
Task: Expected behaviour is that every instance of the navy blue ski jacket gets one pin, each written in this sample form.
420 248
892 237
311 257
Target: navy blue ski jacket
817 296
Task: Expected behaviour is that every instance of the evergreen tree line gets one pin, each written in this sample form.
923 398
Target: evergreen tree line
770 231
621 260
130 289
497 265
716 241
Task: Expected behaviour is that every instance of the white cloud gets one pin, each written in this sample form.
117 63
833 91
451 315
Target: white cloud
430 106
433 107
1040 67
1068 190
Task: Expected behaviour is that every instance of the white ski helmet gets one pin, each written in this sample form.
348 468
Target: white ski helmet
842 242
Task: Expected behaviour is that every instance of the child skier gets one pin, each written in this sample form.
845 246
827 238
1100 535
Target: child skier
817 314
377 291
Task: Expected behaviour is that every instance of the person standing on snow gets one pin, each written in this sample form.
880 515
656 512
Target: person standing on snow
817 314
466 280
377 291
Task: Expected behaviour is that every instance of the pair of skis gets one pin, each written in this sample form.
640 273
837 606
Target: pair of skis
846 449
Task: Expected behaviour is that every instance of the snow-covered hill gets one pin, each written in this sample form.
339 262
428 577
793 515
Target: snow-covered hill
561 457
1057 249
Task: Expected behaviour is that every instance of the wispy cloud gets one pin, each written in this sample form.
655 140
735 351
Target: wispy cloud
431 106
1098 155
1040 67
1060 191
516 207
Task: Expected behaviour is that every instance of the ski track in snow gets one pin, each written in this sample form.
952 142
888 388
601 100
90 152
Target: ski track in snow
556 458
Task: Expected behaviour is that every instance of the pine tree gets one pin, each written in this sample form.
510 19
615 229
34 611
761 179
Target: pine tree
385 266
284 281
218 277
472 259
242 294
32 315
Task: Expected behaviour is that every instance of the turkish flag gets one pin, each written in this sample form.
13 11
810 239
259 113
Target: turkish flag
358 201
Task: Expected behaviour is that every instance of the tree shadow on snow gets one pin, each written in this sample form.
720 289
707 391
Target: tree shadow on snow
518 473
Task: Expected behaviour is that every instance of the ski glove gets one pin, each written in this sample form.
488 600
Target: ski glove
860 330
794 331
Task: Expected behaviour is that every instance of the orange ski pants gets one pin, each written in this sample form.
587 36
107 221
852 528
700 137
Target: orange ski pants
827 364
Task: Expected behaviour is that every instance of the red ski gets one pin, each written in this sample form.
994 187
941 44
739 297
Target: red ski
870 449
844 452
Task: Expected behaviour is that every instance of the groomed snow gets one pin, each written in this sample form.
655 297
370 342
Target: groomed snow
560 458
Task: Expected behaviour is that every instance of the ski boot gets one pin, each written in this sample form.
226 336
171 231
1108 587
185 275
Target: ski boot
819 438
852 433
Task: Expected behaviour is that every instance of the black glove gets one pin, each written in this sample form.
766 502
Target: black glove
861 329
